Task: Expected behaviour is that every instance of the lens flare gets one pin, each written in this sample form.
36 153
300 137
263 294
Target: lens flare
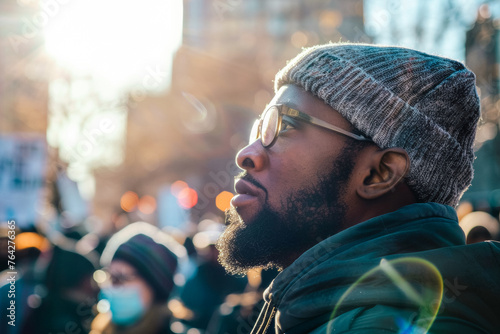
417 280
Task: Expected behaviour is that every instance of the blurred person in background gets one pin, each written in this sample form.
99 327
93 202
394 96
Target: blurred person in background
29 246
480 226
141 262
239 311
349 185
209 285
56 294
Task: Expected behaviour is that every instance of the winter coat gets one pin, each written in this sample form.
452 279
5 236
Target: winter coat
380 276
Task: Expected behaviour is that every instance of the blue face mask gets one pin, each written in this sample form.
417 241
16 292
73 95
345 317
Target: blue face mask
125 304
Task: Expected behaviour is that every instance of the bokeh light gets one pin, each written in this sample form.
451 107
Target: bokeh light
463 209
103 306
299 39
187 198
206 238
223 200
330 19
177 187
31 239
147 204
100 276
34 301
129 201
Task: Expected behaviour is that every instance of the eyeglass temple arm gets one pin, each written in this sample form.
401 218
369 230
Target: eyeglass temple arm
313 120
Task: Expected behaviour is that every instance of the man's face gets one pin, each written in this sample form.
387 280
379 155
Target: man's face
291 195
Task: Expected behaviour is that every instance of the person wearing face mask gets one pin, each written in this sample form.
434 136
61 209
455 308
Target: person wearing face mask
141 262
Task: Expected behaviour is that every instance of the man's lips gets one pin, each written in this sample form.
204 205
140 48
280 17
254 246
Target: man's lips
245 187
246 193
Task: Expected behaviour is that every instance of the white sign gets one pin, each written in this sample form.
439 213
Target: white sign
22 177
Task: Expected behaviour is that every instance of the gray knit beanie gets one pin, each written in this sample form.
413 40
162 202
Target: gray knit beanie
399 97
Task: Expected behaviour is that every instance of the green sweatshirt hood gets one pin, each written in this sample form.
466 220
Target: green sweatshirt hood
305 294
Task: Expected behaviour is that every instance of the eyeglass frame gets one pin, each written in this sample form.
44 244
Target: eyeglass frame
285 110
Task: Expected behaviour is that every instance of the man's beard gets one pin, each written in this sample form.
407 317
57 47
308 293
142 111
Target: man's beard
276 238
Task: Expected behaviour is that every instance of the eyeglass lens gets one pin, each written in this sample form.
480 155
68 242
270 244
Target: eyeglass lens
266 127
269 125
255 133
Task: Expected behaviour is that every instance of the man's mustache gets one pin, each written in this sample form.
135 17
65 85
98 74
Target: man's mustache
248 178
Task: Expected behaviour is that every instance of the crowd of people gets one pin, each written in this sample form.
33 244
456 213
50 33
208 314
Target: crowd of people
141 279
144 280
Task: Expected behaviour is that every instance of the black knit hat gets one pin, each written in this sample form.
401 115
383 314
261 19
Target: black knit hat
150 251
399 97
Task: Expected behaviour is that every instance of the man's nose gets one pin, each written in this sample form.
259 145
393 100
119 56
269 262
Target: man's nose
252 157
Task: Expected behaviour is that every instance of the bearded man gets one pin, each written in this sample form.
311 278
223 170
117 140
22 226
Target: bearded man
349 186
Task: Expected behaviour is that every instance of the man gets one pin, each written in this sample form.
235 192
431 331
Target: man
349 184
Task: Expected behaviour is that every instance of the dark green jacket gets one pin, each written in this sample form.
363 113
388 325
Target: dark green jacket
340 286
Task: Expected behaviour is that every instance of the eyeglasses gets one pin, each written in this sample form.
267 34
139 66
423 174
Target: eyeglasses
270 124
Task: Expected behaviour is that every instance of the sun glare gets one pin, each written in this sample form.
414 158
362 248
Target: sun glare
117 40
105 51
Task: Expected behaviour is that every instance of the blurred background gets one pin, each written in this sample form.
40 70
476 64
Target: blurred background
113 111
105 105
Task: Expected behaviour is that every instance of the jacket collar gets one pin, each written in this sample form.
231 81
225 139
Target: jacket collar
327 269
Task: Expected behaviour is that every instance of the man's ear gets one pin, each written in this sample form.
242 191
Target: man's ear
385 169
